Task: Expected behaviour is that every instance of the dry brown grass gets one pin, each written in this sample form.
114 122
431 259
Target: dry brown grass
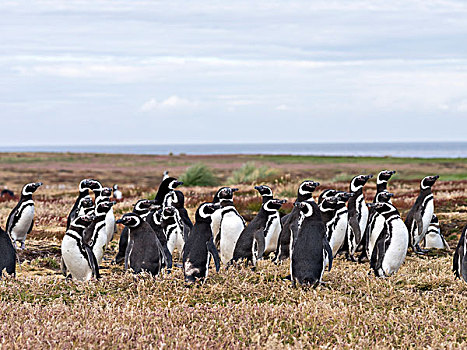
421 306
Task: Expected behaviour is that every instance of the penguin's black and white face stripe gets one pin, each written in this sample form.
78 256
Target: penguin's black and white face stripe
115 187
428 181
343 197
168 212
143 205
94 185
30 188
273 205
327 194
104 207
86 202
359 181
226 193
305 208
205 210
130 220
264 190
106 192
384 176
328 204
307 187
83 221
382 207
434 220
84 185
384 197
174 184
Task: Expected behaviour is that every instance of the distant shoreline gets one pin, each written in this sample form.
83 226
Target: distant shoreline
364 149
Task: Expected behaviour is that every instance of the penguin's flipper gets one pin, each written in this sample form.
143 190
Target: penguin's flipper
464 268
455 259
63 267
92 261
260 237
418 219
377 255
215 254
328 249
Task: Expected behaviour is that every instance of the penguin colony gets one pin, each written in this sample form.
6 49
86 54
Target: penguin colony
310 236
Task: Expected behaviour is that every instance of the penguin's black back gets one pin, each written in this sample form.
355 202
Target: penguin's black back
289 222
74 211
195 250
243 248
7 254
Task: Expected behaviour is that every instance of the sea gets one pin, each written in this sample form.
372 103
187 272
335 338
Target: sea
376 149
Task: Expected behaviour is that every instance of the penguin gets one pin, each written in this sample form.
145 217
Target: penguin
434 238
390 248
334 214
118 196
154 219
289 222
176 199
357 214
310 252
262 232
6 193
85 206
77 256
175 230
95 234
265 192
217 216
376 222
199 246
84 187
21 218
459 263
419 217
329 193
7 254
382 181
167 185
142 207
144 253
165 175
231 225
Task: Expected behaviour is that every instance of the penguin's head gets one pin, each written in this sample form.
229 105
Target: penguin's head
307 187
168 212
384 197
434 220
384 176
306 208
343 197
327 194
143 205
328 203
381 207
264 190
84 220
205 210
84 185
359 181
175 199
104 207
170 183
274 204
115 187
130 220
217 195
226 193
428 181
94 185
86 202
30 188
106 192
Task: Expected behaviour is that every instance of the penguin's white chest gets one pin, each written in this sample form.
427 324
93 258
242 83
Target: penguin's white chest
272 234
428 215
20 230
110 225
175 238
215 223
100 241
231 228
74 259
377 227
338 232
397 250
363 209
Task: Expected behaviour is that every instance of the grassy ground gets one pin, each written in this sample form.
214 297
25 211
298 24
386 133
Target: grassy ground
421 306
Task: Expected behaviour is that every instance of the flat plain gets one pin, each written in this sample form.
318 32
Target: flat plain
421 306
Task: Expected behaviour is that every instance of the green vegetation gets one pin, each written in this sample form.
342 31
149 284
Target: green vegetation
252 173
198 175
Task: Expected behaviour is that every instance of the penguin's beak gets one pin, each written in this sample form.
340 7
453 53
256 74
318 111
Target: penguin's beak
120 221
390 194
39 184
257 188
367 177
282 201
392 172
178 183
234 189
371 205
436 177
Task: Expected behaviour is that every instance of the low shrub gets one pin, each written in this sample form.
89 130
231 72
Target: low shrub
198 175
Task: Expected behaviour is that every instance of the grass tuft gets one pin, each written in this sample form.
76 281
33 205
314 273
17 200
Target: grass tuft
198 175
250 173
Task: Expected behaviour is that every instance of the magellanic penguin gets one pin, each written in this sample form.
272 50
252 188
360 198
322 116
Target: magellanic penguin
289 222
376 223
142 207
216 217
104 195
419 217
230 227
252 242
7 254
95 234
144 253
84 187
358 214
85 206
77 255
21 218
175 230
176 199
310 252
334 214
459 262
154 219
167 185
274 224
434 239
390 248
118 196
382 181
199 247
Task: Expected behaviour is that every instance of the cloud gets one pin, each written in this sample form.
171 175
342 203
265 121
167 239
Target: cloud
172 102
282 107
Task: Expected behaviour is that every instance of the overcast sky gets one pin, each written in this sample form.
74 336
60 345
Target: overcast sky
109 72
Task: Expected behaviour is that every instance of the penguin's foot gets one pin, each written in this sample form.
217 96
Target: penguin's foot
287 278
420 251
350 257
